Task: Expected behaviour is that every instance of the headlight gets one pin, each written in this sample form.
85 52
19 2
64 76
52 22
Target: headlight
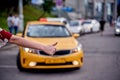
32 64
117 30
75 62
77 49
29 50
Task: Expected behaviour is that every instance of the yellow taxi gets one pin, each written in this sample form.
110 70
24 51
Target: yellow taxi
69 52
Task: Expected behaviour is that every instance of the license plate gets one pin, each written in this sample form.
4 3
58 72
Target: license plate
49 61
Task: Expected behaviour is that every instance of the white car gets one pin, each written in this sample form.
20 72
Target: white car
91 25
59 19
56 19
117 26
76 27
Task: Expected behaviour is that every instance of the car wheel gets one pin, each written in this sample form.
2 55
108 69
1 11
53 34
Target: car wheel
18 62
91 30
76 68
115 34
80 32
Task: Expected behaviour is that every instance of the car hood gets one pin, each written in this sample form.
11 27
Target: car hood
63 43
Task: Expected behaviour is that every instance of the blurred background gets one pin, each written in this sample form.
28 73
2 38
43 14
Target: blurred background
102 52
69 9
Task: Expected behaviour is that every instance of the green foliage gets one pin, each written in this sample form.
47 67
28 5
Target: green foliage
3 20
30 13
47 5
6 4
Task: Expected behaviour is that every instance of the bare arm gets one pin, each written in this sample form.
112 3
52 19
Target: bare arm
50 49
8 37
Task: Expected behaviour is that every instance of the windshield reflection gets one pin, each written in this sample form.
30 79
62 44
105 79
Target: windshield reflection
47 31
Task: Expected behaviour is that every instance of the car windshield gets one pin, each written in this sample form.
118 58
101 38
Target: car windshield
86 22
118 22
39 30
74 23
118 19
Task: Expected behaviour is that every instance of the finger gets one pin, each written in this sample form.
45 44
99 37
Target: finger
55 49
55 44
53 52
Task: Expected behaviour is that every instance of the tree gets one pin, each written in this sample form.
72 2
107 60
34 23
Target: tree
11 4
47 5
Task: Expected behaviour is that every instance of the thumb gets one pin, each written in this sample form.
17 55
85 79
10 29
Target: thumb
55 44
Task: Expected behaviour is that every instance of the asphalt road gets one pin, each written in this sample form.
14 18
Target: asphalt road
101 61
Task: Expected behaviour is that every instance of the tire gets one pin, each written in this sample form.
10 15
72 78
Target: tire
80 32
91 30
77 68
116 35
18 62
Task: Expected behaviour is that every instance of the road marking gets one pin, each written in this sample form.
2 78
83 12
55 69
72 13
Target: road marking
8 66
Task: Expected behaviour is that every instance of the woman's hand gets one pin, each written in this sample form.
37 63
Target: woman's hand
50 49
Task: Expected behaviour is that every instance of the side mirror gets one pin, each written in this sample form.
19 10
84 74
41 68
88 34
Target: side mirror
75 35
19 34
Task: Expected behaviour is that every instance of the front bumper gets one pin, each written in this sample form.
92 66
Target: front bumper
51 62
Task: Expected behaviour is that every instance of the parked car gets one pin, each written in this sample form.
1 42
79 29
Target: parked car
91 25
117 26
76 27
58 19
69 52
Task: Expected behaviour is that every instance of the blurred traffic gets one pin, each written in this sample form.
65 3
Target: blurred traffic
77 26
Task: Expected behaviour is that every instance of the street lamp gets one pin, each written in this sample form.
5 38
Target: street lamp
104 9
115 7
21 14
86 8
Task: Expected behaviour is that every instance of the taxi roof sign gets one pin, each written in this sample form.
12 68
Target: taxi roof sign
43 19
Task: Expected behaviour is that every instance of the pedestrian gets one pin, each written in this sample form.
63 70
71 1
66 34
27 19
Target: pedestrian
6 37
10 22
102 24
110 21
16 23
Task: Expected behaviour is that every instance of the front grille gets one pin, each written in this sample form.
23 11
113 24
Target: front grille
53 64
58 53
